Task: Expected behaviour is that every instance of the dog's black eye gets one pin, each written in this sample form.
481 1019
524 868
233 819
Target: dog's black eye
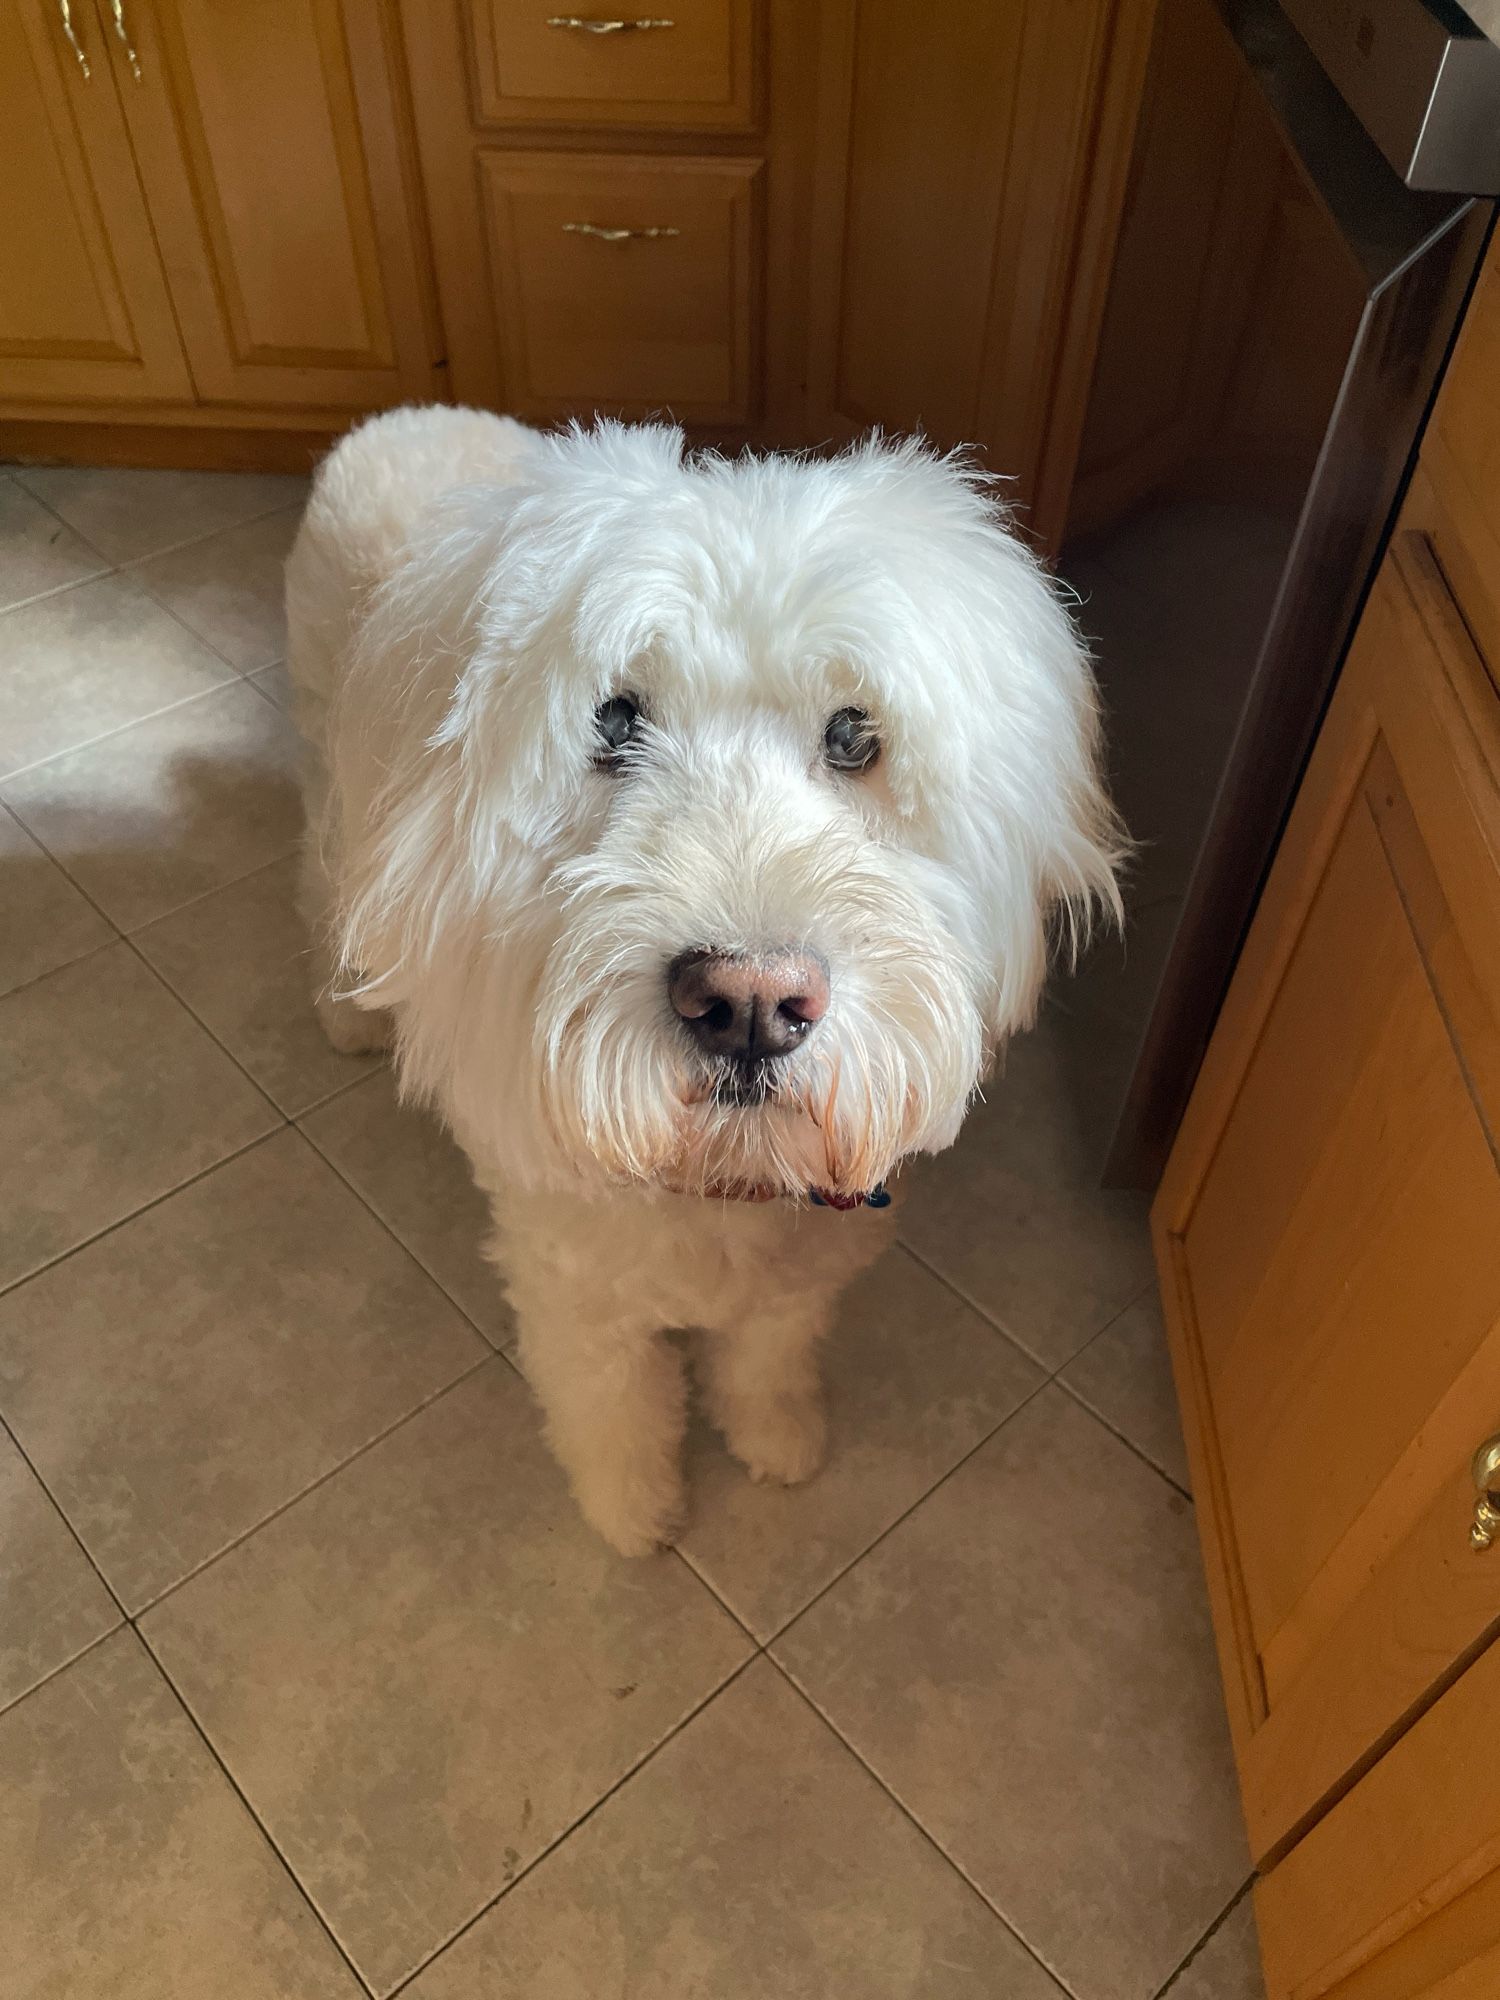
615 723
849 741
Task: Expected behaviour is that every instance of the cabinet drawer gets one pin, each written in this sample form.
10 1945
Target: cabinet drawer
687 65
624 285
1329 1225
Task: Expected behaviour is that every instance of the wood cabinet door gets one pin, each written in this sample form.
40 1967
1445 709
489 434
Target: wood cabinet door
1328 1229
970 163
271 147
1395 1894
84 311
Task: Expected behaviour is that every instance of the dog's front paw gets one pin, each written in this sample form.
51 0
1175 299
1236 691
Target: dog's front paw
351 1030
635 1518
783 1443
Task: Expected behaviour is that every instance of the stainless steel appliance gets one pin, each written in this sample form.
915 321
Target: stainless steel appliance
1279 311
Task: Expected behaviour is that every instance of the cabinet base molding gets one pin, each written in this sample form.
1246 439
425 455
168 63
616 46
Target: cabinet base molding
184 447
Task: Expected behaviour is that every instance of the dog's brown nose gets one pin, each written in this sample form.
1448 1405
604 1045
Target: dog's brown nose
748 1008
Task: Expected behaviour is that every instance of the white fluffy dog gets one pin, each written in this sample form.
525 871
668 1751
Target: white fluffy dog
693 829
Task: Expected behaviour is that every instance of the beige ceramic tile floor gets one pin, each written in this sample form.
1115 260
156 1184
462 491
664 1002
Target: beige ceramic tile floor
311 1683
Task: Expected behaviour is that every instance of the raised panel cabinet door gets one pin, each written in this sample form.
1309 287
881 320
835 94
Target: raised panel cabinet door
1328 1228
1395 1894
959 156
84 311
272 148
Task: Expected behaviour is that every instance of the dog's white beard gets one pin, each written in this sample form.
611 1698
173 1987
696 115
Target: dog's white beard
889 1070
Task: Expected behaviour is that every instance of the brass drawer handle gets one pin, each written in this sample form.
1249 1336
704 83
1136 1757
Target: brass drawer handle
64 7
117 9
587 25
618 235
1486 1528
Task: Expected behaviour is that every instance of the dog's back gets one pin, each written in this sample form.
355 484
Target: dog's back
369 494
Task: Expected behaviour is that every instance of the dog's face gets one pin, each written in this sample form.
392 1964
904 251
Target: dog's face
726 850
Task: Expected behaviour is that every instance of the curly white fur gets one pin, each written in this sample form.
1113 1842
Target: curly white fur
463 596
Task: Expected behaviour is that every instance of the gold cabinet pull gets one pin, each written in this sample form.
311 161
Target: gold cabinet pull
65 8
117 10
619 235
1486 1528
586 24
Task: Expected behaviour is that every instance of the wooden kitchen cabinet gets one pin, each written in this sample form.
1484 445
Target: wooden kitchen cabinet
268 143
826 217
780 222
226 189
84 307
1328 1241
970 160
619 213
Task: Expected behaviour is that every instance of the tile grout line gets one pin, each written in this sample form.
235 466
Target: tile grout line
1048 1382
128 940
723 1602
202 896
59 589
25 985
202 1173
941 1479
370 1208
293 1499
129 563
128 571
132 569
906 1812
17 474
251 678
1115 1432
118 568
232 680
949 1285
27 1460
957 1466
1055 1375
998 1326
1147 1290
228 1776
37 841
329 1097
121 1624
1208 1936
574 1825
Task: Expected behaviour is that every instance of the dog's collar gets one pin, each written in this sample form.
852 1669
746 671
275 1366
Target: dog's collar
875 1197
878 1196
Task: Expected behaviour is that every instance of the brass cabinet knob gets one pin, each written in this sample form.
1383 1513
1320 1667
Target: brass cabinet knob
1486 1528
591 24
650 235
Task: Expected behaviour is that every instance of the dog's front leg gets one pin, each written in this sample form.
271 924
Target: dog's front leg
763 1391
613 1396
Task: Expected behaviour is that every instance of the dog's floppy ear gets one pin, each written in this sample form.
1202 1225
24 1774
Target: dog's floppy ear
1012 779
1047 794
423 784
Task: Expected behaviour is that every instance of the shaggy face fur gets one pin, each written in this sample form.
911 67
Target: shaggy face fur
484 876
